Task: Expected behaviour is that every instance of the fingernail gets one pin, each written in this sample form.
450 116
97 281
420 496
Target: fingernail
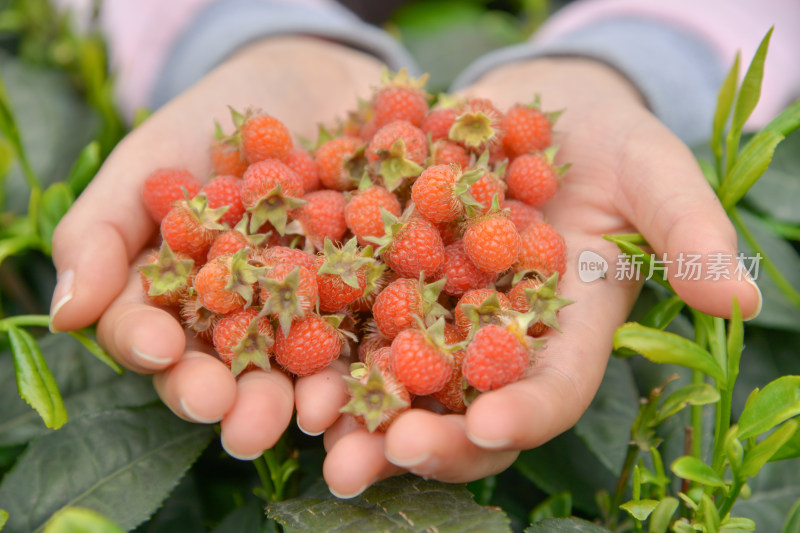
309 433
147 358
343 496
407 463
199 419
236 455
62 294
749 279
489 444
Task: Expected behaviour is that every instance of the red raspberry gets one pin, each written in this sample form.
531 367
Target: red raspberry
445 152
226 158
435 195
287 292
310 345
341 276
541 297
415 249
244 340
167 277
399 103
264 137
377 398
281 254
460 273
270 192
190 228
226 283
337 162
322 217
532 179
438 122
301 162
362 213
398 150
492 242
521 214
225 191
421 365
495 357
486 188
544 250
489 306
401 300
452 394
166 186
526 128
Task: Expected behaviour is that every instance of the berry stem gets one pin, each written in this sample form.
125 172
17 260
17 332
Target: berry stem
25 321
264 475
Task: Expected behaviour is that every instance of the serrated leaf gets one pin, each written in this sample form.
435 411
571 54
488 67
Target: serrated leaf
122 463
80 520
695 394
35 383
566 525
756 457
693 469
85 384
749 167
403 503
664 347
640 509
779 400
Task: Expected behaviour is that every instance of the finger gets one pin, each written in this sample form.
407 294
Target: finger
436 446
198 388
319 397
355 462
567 372
140 336
665 195
259 416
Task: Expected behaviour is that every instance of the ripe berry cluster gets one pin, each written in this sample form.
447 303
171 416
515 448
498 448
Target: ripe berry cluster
412 232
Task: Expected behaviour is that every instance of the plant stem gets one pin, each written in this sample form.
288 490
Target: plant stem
622 483
275 473
25 320
696 411
723 418
727 504
263 474
783 284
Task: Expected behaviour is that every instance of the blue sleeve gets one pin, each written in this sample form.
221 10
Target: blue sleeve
677 73
227 25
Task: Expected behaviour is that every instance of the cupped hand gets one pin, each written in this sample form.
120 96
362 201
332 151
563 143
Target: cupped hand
300 80
628 174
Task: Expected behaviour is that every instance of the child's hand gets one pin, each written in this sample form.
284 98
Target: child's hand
97 246
629 173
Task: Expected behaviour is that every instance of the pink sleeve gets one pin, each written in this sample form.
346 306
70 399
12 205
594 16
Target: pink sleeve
727 25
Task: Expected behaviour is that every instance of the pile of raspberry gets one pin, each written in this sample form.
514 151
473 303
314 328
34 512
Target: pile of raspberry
410 234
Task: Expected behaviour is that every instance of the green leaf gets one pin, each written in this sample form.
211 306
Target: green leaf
245 519
80 520
792 524
727 92
662 515
56 201
693 469
3 518
640 509
664 347
403 503
566 525
556 506
122 463
778 401
661 314
604 427
86 386
639 260
789 450
84 168
95 349
737 523
35 383
14 245
746 100
695 394
787 121
749 167
756 457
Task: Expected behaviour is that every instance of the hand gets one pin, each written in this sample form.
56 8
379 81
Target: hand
629 173
96 247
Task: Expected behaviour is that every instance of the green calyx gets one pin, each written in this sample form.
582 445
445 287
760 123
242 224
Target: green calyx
273 208
489 311
243 275
283 302
370 398
396 167
544 302
432 310
402 78
344 262
434 334
474 129
207 217
391 227
254 348
462 187
168 272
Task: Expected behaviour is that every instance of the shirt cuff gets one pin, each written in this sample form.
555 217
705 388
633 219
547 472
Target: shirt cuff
677 73
226 26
